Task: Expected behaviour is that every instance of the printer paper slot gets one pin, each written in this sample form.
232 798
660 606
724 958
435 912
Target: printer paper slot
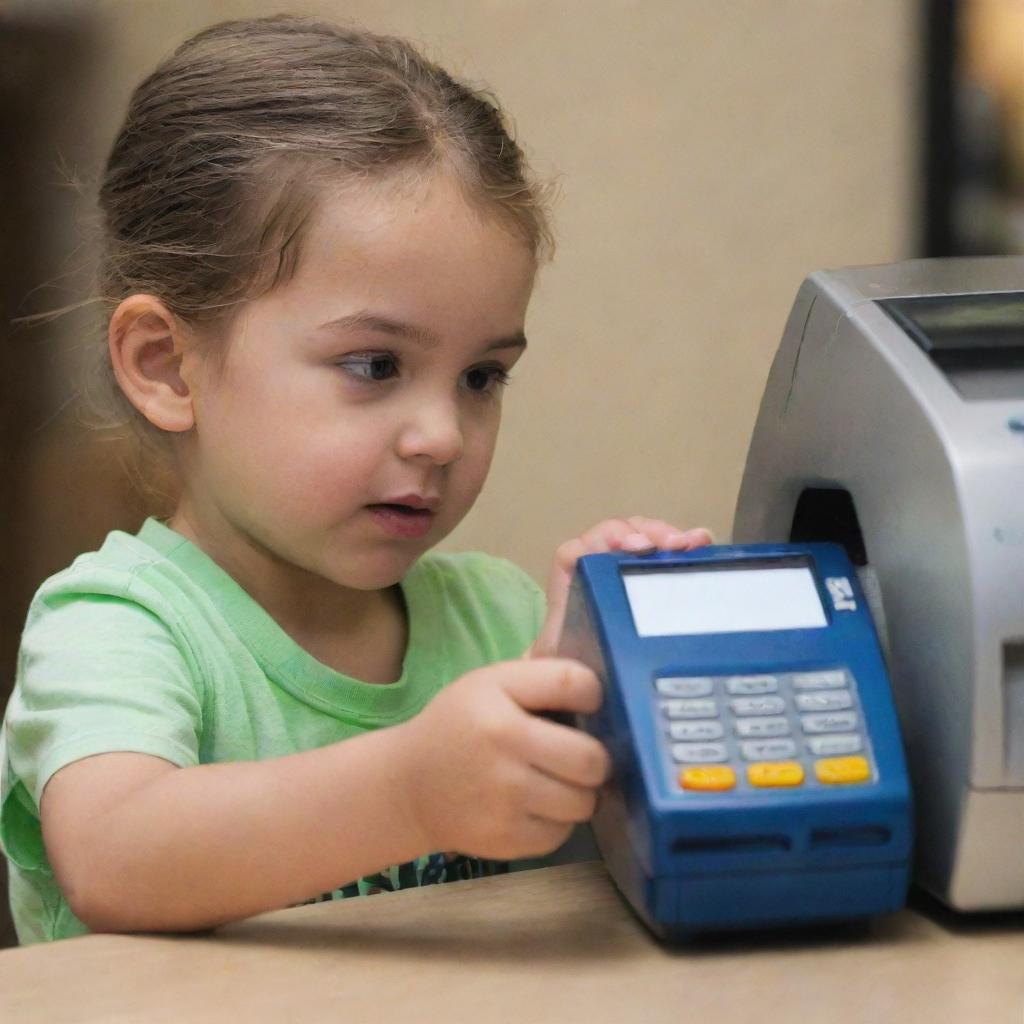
1013 712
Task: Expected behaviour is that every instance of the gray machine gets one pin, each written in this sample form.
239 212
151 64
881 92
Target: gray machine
893 423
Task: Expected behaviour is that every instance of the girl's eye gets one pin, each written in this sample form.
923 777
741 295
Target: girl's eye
484 379
371 366
378 367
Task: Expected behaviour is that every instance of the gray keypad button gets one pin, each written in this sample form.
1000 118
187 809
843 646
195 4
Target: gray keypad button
829 700
684 686
698 753
767 750
834 679
695 730
832 746
762 727
829 721
690 709
749 686
757 706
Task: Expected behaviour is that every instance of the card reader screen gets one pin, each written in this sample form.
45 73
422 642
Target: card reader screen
685 601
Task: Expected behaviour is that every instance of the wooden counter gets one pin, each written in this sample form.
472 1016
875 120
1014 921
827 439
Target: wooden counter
555 945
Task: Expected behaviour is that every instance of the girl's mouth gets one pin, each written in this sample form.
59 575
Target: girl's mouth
402 520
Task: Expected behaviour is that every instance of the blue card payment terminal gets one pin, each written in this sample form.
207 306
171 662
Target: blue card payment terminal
758 774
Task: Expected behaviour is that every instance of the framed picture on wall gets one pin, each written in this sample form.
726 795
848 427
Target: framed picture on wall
974 128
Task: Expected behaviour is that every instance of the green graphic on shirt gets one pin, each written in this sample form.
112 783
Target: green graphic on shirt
429 869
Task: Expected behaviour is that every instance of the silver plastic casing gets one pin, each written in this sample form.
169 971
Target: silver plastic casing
855 407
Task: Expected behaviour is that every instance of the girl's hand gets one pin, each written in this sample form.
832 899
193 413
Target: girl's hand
635 535
483 776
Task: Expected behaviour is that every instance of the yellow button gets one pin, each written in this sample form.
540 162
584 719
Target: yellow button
843 769
776 773
713 778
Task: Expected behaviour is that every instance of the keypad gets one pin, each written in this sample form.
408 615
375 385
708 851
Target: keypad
832 680
682 686
843 770
699 753
828 700
696 730
762 731
771 775
833 746
750 685
690 708
839 721
767 750
758 706
746 727
713 779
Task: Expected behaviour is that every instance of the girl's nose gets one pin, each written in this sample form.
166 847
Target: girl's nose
433 432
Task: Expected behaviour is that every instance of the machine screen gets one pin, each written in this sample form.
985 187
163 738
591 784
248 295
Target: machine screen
686 601
976 340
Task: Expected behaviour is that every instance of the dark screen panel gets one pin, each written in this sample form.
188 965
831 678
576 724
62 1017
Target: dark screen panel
977 341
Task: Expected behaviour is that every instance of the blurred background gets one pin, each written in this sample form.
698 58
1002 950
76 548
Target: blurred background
710 155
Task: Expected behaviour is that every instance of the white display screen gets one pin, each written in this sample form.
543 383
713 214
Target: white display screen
686 602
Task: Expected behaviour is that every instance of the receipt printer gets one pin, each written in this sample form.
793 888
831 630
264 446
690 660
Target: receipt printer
893 425
758 776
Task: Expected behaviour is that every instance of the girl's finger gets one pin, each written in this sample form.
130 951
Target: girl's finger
568 554
670 537
554 800
565 753
616 535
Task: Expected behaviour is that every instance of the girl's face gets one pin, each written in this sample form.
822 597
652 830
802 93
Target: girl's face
354 421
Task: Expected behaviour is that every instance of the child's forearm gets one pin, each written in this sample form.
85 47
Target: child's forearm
196 847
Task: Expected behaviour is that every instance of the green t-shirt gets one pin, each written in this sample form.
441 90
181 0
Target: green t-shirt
147 645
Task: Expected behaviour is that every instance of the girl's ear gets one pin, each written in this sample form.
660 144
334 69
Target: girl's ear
148 345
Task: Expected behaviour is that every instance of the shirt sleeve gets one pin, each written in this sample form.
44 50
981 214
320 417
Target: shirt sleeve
517 605
96 674
533 600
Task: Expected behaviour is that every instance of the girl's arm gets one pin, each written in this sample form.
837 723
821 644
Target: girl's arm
138 844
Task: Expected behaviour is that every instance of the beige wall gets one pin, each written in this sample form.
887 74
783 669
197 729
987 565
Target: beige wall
711 153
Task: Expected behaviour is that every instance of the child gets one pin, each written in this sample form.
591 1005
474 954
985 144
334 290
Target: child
319 251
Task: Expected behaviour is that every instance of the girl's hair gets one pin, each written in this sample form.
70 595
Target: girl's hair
226 147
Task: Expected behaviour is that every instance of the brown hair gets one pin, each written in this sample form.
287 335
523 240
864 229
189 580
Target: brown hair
217 168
